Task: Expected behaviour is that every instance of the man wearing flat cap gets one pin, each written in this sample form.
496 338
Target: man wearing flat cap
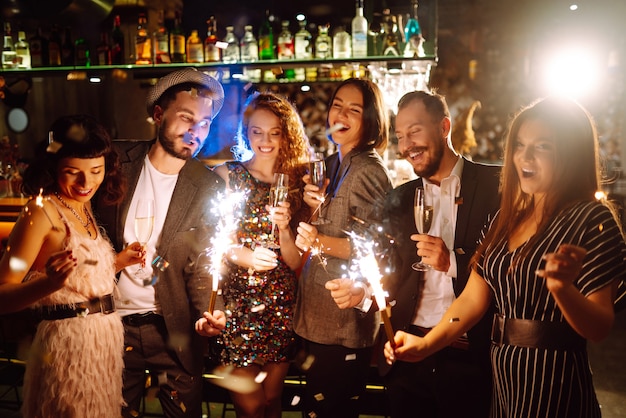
160 301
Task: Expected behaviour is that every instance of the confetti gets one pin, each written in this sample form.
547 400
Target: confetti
260 377
350 357
319 397
295 400
160 263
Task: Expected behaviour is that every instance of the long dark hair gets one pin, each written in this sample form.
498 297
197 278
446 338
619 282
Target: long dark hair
74 136
576 174
375 127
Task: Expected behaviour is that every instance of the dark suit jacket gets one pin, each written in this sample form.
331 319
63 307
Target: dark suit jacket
182 294
480 198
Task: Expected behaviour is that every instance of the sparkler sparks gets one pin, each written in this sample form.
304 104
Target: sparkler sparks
365 264
227 209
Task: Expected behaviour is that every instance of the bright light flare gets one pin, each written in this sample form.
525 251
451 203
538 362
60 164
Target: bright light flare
571 72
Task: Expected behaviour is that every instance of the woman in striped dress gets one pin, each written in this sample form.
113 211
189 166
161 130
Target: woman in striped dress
552 260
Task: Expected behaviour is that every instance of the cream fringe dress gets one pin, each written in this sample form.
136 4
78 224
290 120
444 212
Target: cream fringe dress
75 365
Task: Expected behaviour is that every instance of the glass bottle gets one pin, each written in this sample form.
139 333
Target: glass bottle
211 51
249 46
118 56
9 56
177 42
231 52
103 50
323 43
82 54
161 41
375 35
286 49
22 51
342 44
67 48
266 38
38 50
359 32
143 43
54 47
195 48
391 45
414 46
303 47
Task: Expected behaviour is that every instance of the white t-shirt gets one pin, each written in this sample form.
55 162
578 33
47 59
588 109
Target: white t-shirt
135 296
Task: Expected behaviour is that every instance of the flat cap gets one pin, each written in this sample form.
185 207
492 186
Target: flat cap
186 75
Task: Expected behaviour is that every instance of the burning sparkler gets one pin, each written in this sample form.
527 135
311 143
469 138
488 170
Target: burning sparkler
226 207
365 264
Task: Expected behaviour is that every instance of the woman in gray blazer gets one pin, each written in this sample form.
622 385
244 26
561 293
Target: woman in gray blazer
340 341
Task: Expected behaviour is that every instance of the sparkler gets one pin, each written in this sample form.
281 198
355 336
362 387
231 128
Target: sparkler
225 207
365 264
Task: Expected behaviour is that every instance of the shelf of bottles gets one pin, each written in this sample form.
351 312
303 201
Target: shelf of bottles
394 58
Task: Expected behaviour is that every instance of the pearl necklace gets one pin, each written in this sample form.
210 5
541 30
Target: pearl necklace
86 224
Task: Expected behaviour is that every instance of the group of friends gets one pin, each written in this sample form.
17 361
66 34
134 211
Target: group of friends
526 263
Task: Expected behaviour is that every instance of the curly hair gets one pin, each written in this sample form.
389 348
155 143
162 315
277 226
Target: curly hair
294 149
74 136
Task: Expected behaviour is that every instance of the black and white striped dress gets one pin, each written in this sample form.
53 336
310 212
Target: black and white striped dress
531 382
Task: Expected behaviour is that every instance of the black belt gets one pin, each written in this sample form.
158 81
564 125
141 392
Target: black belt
138 319
535 334
104 304
461 343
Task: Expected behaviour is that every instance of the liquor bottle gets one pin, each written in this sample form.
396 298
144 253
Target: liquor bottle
38 50
195 48
143 44
177 42
161 41
9 56
286 50
231 53
118 55
375 35
82 54
22 51
342 44
103 50
359 32
211 51
323 43
54 47
266 38
303 47
414 46
67 48
249 46
391 45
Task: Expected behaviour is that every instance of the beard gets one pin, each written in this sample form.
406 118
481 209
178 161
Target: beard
433 163
169 144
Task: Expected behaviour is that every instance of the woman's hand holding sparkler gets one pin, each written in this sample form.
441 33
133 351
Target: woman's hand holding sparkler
407 347
211 325
307 236
346 292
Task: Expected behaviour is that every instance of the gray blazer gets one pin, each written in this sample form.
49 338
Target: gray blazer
358 186
182 294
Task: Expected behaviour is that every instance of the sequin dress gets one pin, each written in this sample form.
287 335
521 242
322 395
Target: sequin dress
75 365
531 382
258 305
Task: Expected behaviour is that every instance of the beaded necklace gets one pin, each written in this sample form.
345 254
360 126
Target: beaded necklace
86 224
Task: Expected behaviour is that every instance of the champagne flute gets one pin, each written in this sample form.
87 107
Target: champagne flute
317 176
144 223
278 193
317 170
423 212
